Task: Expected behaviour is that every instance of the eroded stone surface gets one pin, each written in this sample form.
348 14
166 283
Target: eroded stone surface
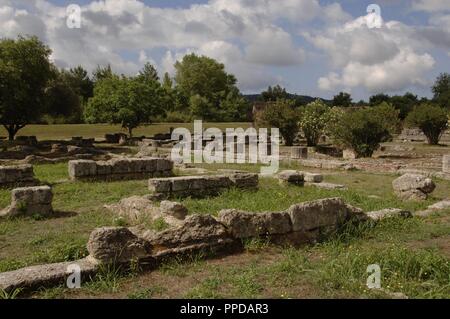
35 277
329 186
244 224
17 175
291 177
116 245
29 201
321 213
388 213
413 187
173 209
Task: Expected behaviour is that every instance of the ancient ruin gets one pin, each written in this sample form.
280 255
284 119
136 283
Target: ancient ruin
200 186
120 169
30 201
413 187
18 175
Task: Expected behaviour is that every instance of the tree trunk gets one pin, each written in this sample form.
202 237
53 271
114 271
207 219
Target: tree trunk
12 130
130 132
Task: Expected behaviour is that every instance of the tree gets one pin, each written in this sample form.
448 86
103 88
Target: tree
63 104
388 116
148 73
282 115
101 73
441 90
204 79
234 107
275 93
67 95
123 100
431 119
313 120
25 71
378 99
404 104
342 99
361 130
79 81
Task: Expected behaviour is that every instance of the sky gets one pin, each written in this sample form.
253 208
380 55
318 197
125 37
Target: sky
311 47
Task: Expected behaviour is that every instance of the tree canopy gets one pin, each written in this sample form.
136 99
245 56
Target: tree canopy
207 89
343 99
441 90
25 71
127 101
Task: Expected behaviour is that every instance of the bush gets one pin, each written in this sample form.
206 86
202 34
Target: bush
388 116
313 120
431 119
361 130
281 114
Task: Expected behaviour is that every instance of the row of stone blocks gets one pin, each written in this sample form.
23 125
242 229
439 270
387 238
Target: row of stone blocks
19 175
120 168
30 201
200 186
198 234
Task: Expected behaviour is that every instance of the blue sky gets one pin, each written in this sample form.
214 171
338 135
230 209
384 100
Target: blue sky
312 47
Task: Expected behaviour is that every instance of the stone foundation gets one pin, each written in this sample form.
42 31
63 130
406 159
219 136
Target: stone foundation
120 169
30 201
20 175
200 186
302 223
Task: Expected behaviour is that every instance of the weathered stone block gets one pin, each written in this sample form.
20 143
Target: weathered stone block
313 177
82 168
160 185
291 177
164 165
104 168
245 225
116 244
387 213
413 187
174 209
320 213
244 180
32 195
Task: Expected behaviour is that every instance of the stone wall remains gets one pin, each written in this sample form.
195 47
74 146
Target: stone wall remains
120 169
30 201
19 175
200 186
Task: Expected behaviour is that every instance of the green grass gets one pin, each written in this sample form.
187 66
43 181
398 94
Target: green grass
335 268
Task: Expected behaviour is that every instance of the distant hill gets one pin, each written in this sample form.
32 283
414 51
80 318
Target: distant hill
304 99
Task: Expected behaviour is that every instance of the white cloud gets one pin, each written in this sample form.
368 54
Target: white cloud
431 5
386 59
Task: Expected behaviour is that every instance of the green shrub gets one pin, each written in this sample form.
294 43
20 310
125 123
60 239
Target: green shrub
282 115
361 130
313 120
431 119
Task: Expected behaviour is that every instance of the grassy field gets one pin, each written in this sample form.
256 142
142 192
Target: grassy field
66 131
414 253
